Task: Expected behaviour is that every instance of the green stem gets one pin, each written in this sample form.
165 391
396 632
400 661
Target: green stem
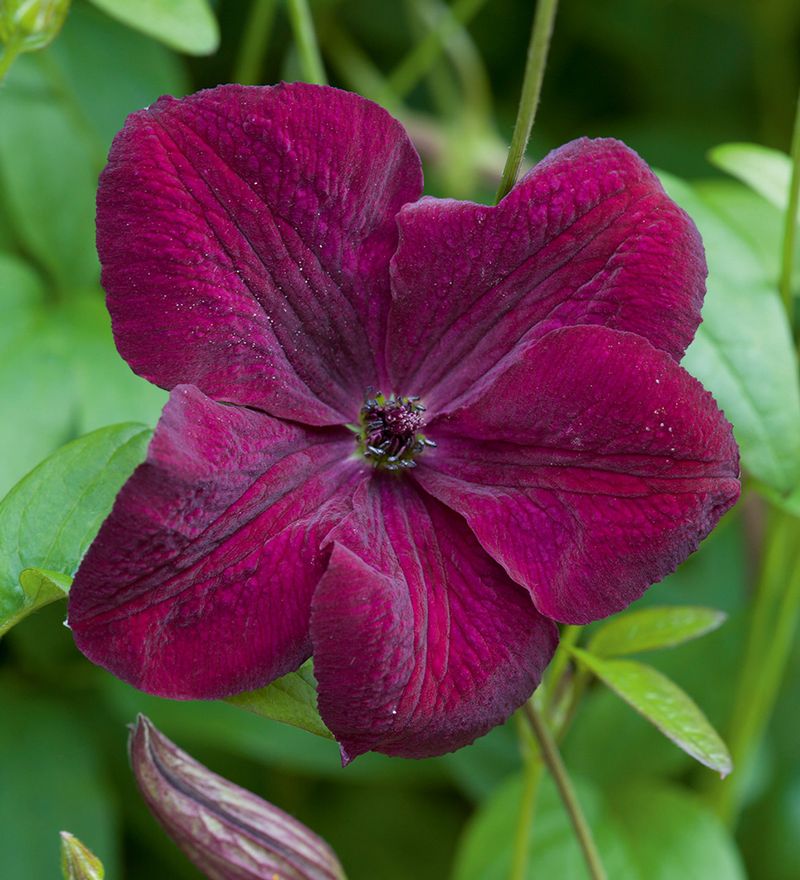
7 58
423 56
541 32
566 716
530 787
555 674
790 222
257 31
306 41
552 759
773 623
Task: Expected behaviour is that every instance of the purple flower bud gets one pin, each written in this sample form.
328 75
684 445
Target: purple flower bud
78 862
227 832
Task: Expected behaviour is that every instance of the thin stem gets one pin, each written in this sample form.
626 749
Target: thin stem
552 758
527 807
257 31
541 32
790 222
306 41
772 626
569 636
423 56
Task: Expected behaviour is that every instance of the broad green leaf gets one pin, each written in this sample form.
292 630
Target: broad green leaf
664 704
37 396
52 780
291 699
763 169
22 295
39 588
78 862
48 173
48 520
644 831
649 629
59 110
743 351
61 376
186 25
136 71
754 219
106 389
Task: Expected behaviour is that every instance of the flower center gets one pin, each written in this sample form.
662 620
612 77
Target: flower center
388 433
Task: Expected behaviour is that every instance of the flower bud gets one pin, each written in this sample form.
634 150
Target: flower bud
227 832
77 861
26 25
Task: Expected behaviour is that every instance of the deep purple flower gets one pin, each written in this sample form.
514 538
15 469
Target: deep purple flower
266 257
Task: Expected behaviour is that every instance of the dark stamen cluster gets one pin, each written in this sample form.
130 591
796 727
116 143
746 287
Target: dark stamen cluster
389 435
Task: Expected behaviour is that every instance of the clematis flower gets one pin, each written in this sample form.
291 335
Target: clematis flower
404 435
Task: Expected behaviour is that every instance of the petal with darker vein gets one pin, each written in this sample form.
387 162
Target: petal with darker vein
590 469
245 235
199 583
421 642
587 237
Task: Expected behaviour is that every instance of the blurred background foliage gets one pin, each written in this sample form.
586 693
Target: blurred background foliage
670 77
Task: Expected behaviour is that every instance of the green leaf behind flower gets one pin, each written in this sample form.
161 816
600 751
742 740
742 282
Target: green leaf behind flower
743 351
659 700
186 25
649 629
764 170
48 520
644 831
291 699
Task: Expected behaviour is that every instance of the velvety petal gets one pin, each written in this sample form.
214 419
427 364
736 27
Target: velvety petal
590 469
421 641
245 235
199 583
587 237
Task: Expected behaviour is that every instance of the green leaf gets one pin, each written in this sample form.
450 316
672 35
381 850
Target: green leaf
59 110
649 629
106 390
186 25
50 517
645 831
291 699
39 588
743 351
31 370
764 170
663 704
136 71
47 160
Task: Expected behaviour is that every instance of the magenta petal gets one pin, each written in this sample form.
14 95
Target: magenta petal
587 237
590 469
200 581
245 235
421 642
